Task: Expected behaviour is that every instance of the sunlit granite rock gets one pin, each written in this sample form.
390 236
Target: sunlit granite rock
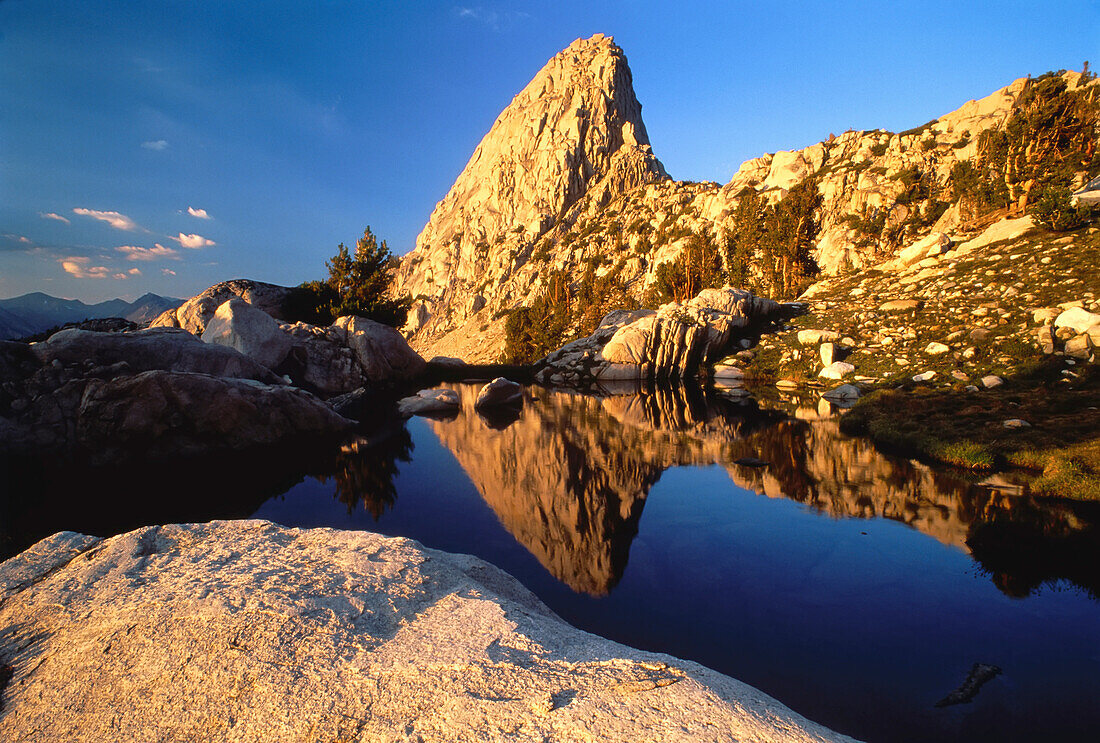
246 630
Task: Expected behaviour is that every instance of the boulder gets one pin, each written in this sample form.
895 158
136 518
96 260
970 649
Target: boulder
250 631
383 353
1079 347
934 244
927 376
936 348
1005 229
253 332
836 370
429 401
500 391
677 339
828 353
843 392
194 314
319 361
992 381
901 305
810 337
1045 336
728 372
166 349
1077 318
162 414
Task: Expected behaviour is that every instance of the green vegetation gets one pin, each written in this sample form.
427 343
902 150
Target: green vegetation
776 240
698 267
1031 164
967 430
564 312
357 285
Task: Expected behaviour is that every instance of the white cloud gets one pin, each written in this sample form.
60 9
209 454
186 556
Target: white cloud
51 215
200 213
118 276
24 240
493 19
167 272
156 144
138 253
116 220
78 267
194 241
134 272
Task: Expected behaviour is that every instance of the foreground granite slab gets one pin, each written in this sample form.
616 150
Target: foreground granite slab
248 631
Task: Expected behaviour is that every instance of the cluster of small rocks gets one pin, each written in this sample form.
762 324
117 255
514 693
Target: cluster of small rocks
949 312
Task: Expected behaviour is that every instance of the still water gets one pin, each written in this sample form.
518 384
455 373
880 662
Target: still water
857 588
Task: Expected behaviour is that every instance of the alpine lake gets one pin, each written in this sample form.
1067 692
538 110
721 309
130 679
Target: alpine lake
884 598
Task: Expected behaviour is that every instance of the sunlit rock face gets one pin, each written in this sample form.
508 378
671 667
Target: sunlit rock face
249 631
569 476
575 130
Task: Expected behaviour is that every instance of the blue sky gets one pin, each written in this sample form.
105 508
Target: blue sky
165 146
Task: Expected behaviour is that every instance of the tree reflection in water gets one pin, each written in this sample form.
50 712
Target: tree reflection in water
365 469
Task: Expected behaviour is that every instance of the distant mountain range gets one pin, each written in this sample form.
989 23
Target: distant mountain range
35 312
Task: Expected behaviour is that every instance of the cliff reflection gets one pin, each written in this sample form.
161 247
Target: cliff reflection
570 476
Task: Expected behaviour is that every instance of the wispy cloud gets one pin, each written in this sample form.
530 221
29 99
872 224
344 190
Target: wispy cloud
495 20
77 266
15 243
167 272
116 220
155 144
52 215
139 253
194 241
200 213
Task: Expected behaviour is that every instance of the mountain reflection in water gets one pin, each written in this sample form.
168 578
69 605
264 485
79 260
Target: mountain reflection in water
569 476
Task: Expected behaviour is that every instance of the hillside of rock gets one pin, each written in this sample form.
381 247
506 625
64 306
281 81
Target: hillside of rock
478 259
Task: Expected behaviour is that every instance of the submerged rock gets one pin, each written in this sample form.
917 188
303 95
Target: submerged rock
252 631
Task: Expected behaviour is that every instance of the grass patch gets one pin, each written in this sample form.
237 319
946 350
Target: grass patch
962 429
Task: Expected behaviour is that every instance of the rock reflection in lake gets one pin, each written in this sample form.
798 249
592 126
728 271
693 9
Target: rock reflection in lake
569 476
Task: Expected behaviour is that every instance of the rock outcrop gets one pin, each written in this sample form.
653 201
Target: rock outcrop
251 331
148 394
881 195
674 342
195 313
575 131
165 349
250 631
162 414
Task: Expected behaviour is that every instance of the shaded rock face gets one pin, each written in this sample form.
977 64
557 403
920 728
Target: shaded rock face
194 314
252 631
162 414
575 130
161 392
382 352
167 349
